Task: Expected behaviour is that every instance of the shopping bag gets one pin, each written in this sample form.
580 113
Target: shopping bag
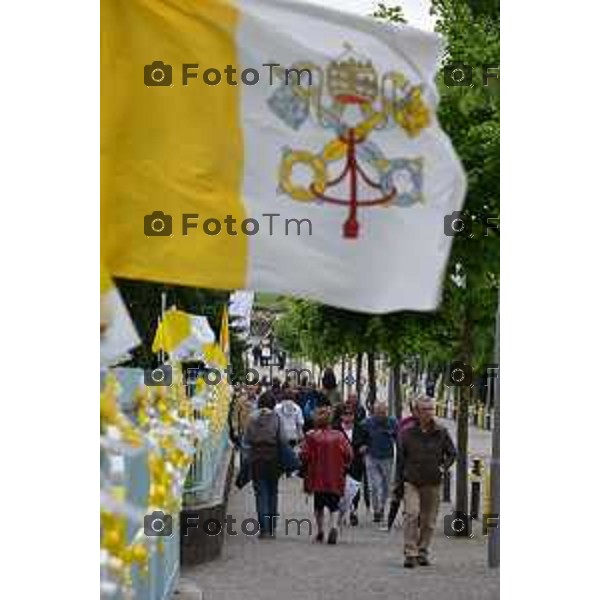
288 458
243 476
351 488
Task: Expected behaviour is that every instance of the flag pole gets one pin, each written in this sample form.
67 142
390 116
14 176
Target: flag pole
494 532
163 308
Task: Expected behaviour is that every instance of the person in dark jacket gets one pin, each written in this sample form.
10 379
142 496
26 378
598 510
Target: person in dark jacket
256 354
382 441
329 387
359 411
315 399
426 452
356 436
264 437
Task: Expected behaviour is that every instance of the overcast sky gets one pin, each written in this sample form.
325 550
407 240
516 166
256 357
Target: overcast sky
415 11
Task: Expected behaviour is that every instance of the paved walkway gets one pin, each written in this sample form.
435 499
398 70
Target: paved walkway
365 565
480 440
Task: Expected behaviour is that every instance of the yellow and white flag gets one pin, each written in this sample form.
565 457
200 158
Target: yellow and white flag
277 146
174 327
117 331
182 335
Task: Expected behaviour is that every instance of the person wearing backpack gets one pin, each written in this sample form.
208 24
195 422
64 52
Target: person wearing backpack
382 441
291 418
265 437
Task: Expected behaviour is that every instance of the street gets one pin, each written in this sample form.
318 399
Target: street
366 563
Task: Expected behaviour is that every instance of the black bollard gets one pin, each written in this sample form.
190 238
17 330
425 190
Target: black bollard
447 487
475 498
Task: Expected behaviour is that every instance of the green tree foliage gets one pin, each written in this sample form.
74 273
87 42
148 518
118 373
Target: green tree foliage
394 14
471 117
463 327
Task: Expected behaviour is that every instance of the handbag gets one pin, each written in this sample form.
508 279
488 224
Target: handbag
351 488
288 459
243 476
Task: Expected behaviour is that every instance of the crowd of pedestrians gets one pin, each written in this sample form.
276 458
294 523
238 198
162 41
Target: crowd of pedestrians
343 456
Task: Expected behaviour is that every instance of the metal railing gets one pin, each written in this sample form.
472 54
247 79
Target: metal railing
126 481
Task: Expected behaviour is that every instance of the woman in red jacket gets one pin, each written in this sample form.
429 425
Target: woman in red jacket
326 456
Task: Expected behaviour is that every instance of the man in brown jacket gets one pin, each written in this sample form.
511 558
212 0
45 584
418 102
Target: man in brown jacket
426 451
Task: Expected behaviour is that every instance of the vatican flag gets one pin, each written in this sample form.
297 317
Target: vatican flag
173 329
274 145
117 332
182 335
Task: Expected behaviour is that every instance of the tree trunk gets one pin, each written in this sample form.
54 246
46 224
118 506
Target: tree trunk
462 432
372 382
401 388
462 442
396 376
358 375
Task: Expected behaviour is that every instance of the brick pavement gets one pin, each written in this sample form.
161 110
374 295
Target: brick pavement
366 563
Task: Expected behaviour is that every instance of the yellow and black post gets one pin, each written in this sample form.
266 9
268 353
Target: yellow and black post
476 476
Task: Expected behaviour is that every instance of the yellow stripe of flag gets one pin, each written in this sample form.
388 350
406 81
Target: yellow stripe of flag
171 149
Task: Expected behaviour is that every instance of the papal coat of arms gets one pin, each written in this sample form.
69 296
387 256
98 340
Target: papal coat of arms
361 105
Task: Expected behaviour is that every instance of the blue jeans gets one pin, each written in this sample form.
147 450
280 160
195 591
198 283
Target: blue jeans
379 473
266 491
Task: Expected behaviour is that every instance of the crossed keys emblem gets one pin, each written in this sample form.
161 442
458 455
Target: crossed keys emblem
362 105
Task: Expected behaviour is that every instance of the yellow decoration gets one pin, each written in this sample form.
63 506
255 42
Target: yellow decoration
113 536
142 404
213 354
174 327
110 414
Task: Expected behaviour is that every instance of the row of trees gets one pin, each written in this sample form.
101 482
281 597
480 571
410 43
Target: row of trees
463 327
